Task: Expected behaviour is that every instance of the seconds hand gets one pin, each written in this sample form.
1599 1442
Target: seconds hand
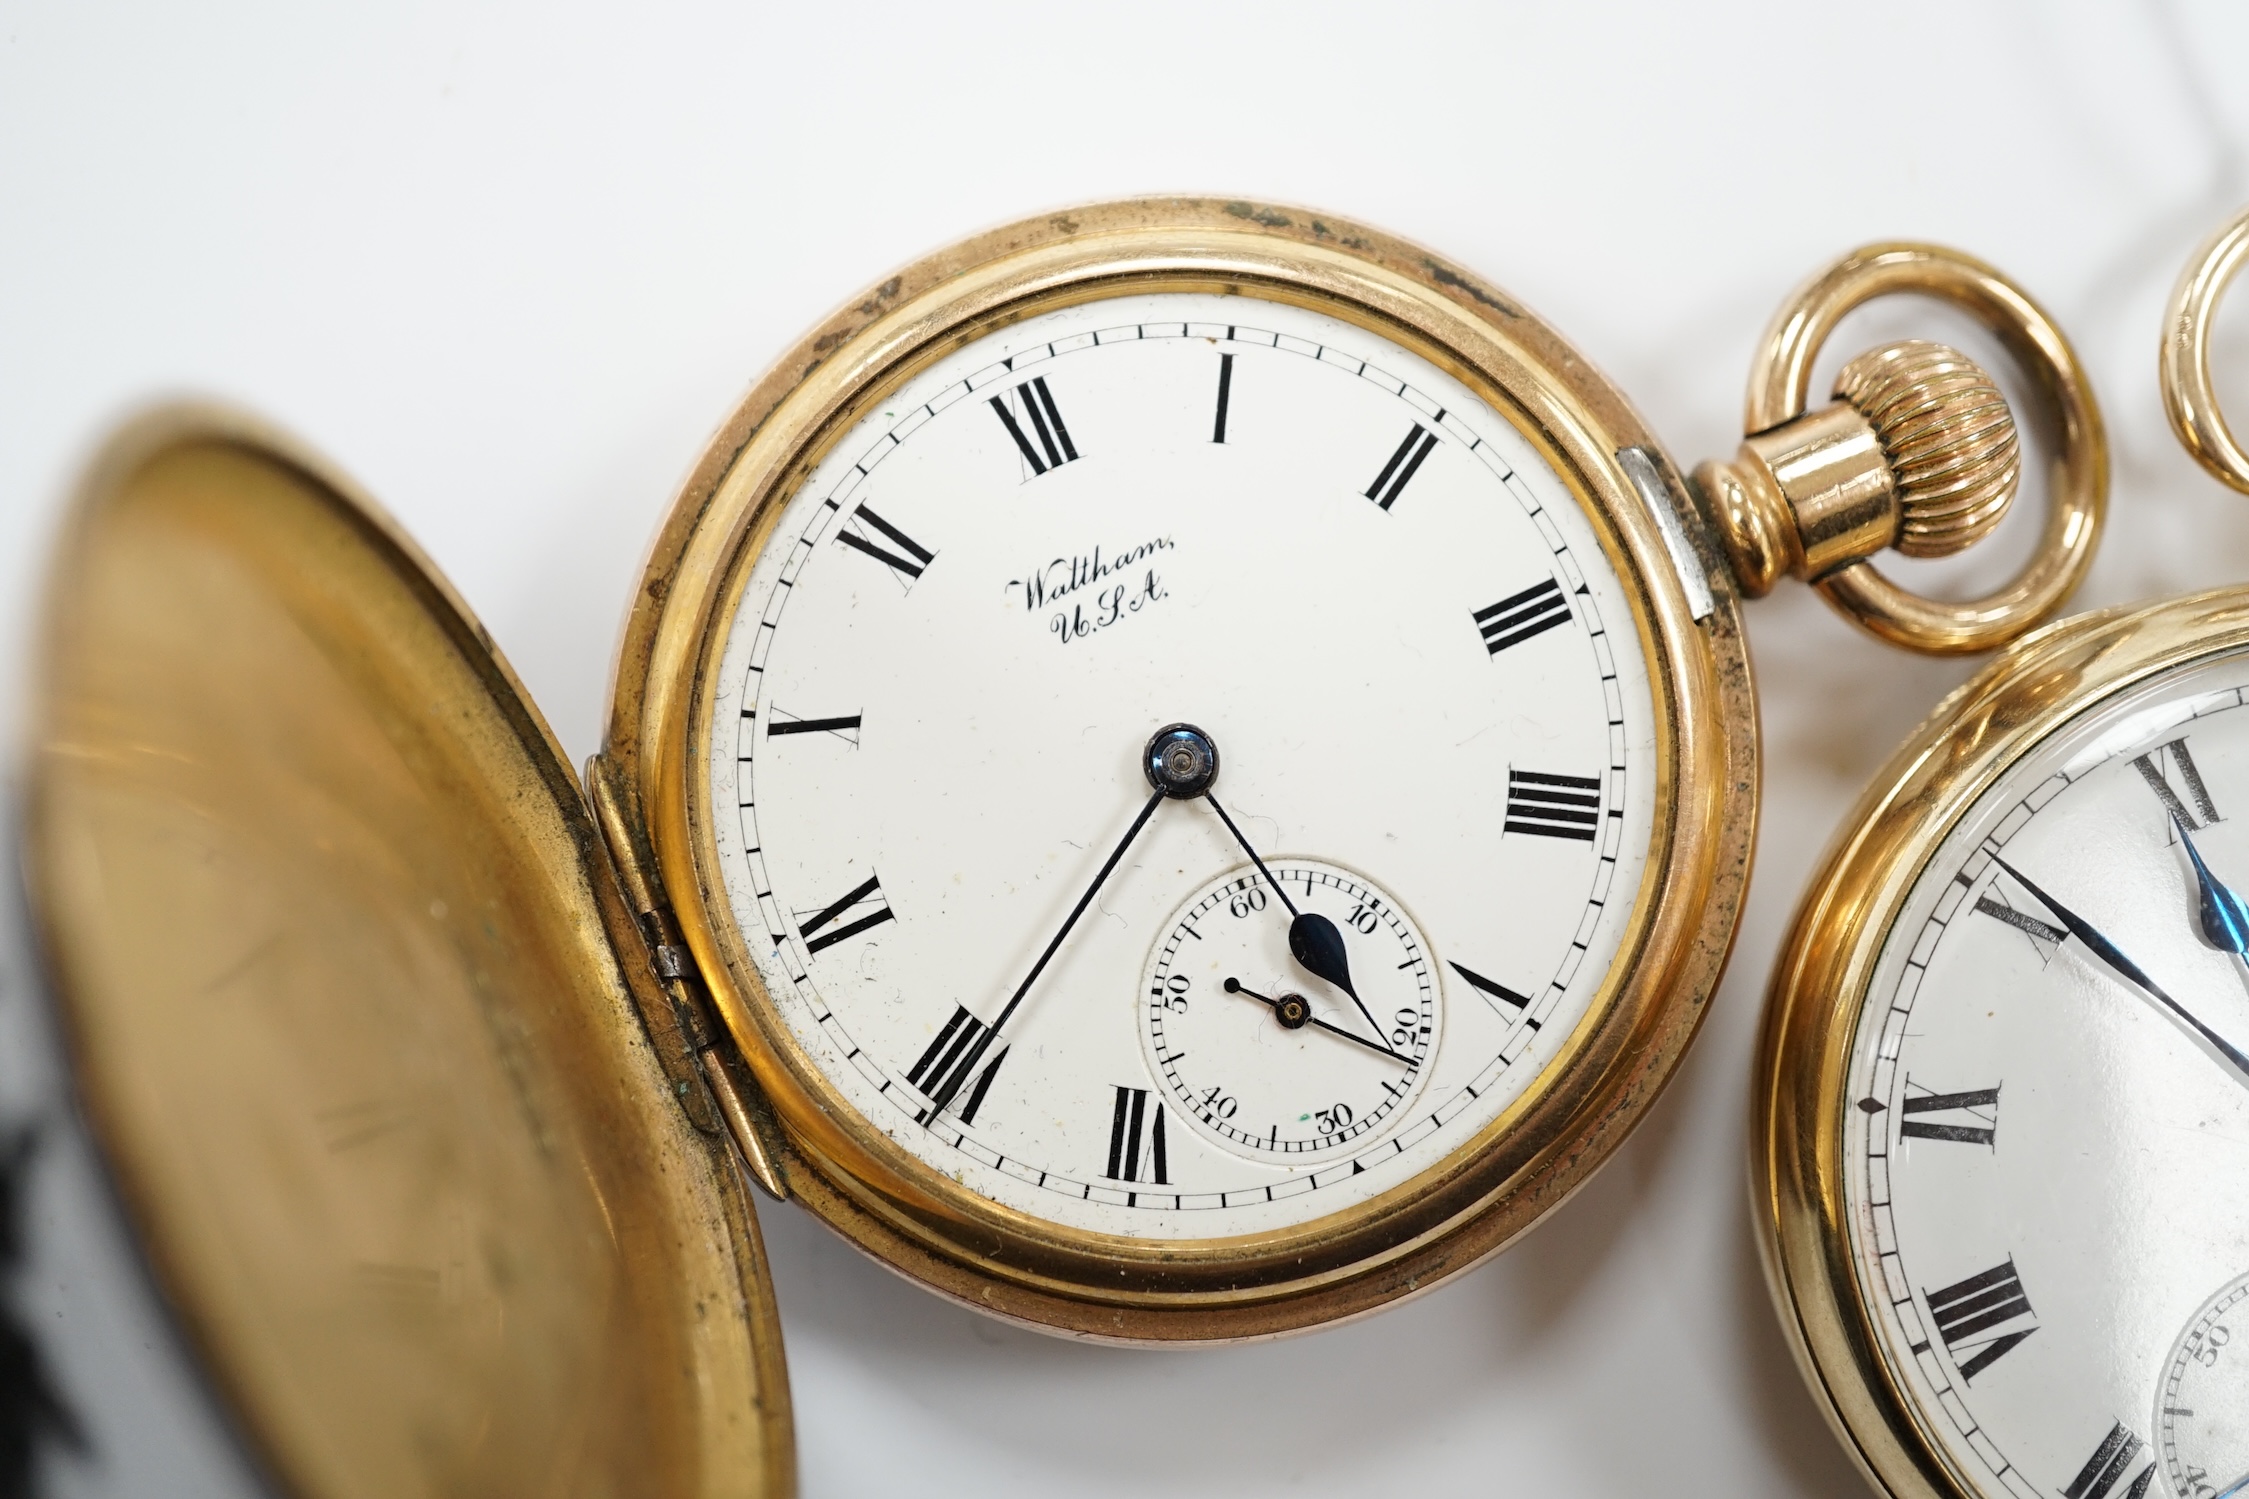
1302 1016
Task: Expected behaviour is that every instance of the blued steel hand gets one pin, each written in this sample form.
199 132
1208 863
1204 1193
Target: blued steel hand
2225 920
1312 939
2109 953
1234 986
958 1076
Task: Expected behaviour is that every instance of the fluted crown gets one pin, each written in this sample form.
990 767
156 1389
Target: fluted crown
1948 435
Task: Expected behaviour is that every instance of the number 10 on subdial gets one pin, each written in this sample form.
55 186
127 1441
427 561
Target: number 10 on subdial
1264 1060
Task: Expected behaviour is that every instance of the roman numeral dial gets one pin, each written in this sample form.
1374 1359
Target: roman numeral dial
864 907
2043 1038
870 534
2044 935
1493 989
1403 464
844 727
982 913
2170 772
2107 1474
1523 616
956 1071
1136 1139
1035 422
1547 805
1970 1118
1982 1318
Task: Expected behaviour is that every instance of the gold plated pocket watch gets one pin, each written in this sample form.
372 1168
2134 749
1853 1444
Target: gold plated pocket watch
2003 1088
1180 771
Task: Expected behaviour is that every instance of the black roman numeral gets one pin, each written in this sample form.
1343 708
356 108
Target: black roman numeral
1968 1310
1995 906
1391 482
1053 448
1517 618
1225 389
1980 1105
1553 806
1492 988
1136 1118
2106 1468
957 1062
871 891
2156 772
908 567
846 729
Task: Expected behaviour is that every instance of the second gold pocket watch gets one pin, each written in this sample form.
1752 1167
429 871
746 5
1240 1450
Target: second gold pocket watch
1181 771
2002 1129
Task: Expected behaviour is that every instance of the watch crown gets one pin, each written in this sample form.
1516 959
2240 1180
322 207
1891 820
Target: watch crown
1949 438
1917 452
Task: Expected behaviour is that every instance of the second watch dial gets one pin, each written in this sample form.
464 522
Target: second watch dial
2050 1089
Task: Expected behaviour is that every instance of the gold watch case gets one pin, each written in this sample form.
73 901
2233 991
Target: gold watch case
1821 981
1523 1165
344 968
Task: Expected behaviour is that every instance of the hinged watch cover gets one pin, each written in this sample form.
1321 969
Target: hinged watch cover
354 1004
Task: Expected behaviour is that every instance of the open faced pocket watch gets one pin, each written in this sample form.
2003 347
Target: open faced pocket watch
1180 771
2002 1115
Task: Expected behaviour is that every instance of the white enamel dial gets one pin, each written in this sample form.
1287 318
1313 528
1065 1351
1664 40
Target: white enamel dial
1266 1060
2048 1149
1386 611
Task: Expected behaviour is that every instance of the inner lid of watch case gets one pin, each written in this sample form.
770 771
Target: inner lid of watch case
337 947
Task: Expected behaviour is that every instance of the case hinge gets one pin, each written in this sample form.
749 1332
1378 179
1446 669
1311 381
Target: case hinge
713 1089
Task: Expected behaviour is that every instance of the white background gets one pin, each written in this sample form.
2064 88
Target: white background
509 267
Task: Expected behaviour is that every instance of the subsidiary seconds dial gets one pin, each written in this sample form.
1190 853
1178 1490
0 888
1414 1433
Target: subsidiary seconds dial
2202 1410
1266 1059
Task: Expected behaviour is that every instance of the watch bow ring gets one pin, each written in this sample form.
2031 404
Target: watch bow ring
2188 395
1919 452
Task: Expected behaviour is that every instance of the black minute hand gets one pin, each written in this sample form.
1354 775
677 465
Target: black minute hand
957 1077
2109 953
